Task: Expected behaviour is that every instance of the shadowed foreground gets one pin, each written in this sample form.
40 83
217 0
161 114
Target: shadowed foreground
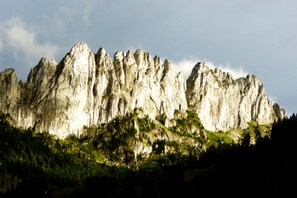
36 164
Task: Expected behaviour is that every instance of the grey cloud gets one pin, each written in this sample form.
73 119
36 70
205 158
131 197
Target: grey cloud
260 35
18 40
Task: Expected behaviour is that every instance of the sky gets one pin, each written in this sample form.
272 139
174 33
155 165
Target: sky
239 36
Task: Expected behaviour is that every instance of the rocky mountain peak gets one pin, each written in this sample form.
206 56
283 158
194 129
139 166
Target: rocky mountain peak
224 103
87 89
79 49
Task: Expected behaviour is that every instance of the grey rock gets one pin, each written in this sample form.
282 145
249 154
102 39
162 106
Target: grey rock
224 103
87 89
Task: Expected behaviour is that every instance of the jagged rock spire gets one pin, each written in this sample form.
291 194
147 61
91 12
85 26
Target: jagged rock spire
223 103
86 89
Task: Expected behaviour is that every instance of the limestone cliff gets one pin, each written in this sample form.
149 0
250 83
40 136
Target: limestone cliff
86 89
9 92
224 103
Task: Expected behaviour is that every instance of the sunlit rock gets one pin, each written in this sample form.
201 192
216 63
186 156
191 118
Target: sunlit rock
224 103
87 89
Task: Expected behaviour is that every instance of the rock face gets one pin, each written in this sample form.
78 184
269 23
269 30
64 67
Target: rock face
9 92
86 89
223 103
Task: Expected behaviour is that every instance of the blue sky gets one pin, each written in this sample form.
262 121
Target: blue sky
243 36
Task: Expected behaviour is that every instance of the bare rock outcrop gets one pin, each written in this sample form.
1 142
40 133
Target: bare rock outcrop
224 103
87 89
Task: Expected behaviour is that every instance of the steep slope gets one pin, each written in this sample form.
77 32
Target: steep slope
9 91
224 103
87 89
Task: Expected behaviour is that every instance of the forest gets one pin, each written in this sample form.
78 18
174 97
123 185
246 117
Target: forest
40 165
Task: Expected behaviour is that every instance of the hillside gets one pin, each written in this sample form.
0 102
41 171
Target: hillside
39 164
132 126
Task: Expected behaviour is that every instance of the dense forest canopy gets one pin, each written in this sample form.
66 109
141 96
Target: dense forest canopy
40 164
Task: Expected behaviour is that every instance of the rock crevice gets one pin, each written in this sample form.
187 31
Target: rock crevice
87 89
224 103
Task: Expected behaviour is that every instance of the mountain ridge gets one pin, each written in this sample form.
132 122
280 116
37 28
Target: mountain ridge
87 89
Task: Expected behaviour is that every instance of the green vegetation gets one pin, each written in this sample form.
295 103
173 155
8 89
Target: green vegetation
39 160
184 159
217 138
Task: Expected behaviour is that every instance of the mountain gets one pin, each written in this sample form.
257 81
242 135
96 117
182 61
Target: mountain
87 89
224 103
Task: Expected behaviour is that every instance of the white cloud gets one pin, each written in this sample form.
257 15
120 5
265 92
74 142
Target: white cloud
236 72
273 99
186 66
19 37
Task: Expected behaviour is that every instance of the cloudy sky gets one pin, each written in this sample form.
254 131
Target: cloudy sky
242 36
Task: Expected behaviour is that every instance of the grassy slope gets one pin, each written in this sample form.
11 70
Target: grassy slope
105 162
